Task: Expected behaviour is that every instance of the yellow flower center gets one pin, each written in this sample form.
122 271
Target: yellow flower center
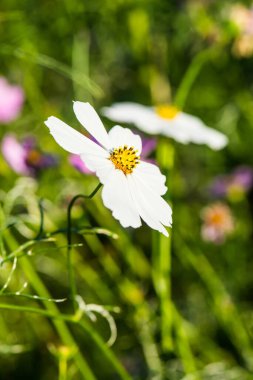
166 111
125 158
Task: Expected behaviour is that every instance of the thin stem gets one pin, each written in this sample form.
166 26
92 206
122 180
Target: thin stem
51 308
41 229
83 324
72 283
106 351
191 73
36 310
150 349
62 368
19 252
183 345
48 62
223 306
162 258
86 230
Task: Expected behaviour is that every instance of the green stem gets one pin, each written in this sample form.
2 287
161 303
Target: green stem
50 63
20 250
41 229
183 346
62 368
191 74
150 350
59 324
83 324
224 307
72 282
162 257
106 351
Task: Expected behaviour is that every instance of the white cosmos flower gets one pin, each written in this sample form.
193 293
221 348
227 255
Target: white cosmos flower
132 188
166 120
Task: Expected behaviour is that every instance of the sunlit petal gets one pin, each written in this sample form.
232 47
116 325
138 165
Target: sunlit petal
88 117
98 164
120 136
132 188
152 175
71 140
196 131
146 206
143 117
117 197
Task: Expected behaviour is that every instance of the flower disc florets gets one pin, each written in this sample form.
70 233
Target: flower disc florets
125 158
167 111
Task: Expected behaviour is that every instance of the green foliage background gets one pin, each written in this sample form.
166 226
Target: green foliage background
103 52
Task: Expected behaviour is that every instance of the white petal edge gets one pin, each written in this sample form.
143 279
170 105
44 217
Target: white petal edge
100 165
90 120
142 116
70 139
192 129
120 136
160 207
152 176
117 197
145 207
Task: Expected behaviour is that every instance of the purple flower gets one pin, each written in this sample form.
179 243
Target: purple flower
11 101
233 185
26 158
148 146
243 176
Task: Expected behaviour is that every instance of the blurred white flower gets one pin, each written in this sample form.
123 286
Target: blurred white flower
167 120
132 188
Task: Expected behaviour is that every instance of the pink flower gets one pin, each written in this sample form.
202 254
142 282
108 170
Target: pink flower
242 18
11 101
26 158
218 223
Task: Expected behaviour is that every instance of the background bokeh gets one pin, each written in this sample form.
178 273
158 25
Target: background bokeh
197 54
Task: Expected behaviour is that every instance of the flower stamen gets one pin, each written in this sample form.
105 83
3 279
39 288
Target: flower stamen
125 158
167 111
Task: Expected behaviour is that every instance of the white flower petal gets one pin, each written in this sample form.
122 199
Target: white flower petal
100 165
88 117
70 139
117 197
175 132
161 208
120 136
142 116
191 129
183 127
152 175
130 197
151 207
